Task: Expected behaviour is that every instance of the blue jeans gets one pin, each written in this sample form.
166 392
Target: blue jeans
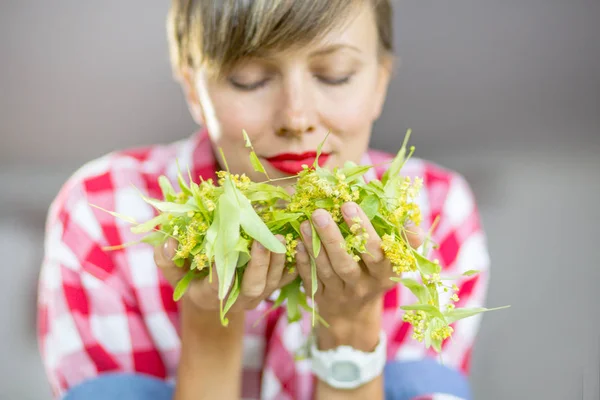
402 380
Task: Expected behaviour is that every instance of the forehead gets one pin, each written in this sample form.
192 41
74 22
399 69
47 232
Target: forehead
356 31
228 34
357 28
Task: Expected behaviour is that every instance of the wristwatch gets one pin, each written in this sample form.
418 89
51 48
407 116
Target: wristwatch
347 368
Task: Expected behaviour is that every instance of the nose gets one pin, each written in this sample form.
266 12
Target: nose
297 109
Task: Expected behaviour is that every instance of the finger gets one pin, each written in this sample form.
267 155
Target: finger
163 256
344 265
325 271
255 276
374 256
415 236
303 268
277 264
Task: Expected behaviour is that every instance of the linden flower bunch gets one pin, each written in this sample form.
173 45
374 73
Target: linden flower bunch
216 225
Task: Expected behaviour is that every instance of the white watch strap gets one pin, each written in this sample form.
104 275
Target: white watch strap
366 366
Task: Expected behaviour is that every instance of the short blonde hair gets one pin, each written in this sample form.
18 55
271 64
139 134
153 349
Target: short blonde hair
218 33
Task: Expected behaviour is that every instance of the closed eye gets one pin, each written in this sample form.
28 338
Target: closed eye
249 86
335 81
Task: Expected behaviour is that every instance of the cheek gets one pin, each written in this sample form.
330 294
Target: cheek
352 110
351 115
236 113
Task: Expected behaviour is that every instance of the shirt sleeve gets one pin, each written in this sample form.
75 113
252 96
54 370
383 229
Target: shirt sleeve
86 322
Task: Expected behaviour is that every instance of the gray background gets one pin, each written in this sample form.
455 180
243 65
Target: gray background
506 92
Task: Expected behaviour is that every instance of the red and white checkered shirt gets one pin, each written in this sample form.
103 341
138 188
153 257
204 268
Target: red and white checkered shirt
103 311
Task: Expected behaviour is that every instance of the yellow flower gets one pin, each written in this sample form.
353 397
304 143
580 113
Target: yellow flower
399 255
442 333
290 247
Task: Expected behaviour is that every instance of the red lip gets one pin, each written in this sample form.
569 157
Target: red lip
291 163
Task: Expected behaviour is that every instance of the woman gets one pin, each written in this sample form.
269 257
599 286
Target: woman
288 72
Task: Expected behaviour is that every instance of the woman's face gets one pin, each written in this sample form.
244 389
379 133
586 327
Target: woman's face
290 101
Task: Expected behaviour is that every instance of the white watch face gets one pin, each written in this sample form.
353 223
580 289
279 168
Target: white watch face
345 371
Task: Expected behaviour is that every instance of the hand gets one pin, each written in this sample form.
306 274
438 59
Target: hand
264 274
347 289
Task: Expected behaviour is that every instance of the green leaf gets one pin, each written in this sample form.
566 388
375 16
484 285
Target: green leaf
324 203
296 226
326 175
116 215
425 307
227 238
437 345
293 310
179 262
256 164
182 285
433 294
352 173
243 246
415 287
254 226
370 206
151 224
461 313
316 242
170 207
394 170
266 192
154 238
182 185
427 335
195 188
375 187
211 236
244 253
166 188
425 266
282 218
303 304
313 286
319 149
471 272
233 294
247 138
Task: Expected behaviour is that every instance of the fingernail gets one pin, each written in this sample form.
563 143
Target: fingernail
259 246
300 247
305 227
166 251
321 218
350 209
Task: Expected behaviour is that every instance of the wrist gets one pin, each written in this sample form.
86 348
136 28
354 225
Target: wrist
206 323
360 330
211 351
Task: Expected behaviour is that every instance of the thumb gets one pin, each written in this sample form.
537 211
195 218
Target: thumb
163 257
415 236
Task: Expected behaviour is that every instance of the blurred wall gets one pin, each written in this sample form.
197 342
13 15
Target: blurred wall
505 92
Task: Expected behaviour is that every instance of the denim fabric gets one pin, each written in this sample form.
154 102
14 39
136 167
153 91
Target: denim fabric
403 381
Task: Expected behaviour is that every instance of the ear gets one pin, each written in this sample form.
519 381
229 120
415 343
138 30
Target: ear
386 66
188 84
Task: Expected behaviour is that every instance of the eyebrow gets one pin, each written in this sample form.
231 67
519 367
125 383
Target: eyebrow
333 48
